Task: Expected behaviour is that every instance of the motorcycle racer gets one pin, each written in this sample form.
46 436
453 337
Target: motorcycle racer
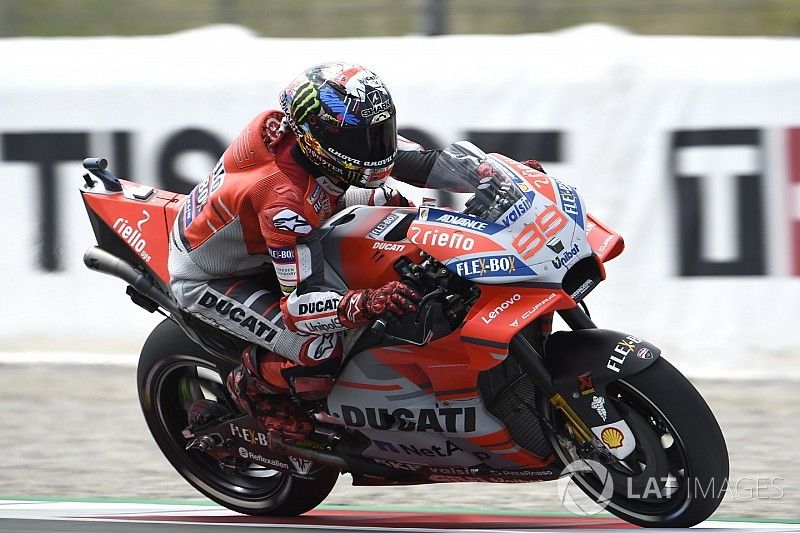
244 250
253 222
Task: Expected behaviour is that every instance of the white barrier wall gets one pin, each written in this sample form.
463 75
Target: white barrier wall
689 147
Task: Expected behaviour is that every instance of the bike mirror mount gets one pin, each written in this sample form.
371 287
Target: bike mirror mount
97 166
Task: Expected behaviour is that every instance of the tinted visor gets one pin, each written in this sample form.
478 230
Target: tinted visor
370 147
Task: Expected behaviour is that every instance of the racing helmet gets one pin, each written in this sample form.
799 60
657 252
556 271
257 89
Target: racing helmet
344 120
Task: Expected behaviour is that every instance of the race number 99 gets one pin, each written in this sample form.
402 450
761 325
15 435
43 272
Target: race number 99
533 236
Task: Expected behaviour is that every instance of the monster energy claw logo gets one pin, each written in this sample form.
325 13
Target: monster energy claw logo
306 100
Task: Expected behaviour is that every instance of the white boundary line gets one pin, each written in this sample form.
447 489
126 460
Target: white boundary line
68 358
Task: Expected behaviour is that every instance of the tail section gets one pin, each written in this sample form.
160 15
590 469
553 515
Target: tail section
129 220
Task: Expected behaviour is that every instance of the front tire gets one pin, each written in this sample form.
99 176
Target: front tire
678 472
173 372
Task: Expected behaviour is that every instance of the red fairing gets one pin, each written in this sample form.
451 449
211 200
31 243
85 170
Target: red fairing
606 243
141 224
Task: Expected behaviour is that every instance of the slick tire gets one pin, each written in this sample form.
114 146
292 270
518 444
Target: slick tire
172 372
676 434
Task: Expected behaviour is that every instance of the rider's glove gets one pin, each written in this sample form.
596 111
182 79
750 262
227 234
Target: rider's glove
535 165
362 305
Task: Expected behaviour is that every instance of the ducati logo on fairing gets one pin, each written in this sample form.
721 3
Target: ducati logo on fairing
449 419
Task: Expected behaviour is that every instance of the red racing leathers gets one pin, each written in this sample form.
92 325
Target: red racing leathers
259 210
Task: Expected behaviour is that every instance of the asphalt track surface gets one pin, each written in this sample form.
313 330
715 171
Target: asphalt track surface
32 516
76 432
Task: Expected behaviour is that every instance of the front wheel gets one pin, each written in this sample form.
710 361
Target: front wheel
677 474
173 373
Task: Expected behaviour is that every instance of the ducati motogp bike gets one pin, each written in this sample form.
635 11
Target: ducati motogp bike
473 387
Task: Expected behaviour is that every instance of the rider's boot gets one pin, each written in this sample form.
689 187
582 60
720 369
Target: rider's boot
259 388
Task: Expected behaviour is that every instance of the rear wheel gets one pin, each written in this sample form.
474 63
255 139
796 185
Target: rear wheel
173 373
677 474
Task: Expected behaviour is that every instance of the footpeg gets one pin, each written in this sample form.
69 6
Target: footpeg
203 443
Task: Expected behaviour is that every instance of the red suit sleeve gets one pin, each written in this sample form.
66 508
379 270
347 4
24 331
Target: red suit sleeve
308 304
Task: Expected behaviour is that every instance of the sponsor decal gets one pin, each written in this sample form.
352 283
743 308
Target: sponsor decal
423 213
380 117
247 434
599 405
288 220
552 296
482 266
448 450
133 236
244 453
287 275
442 238
623 348
533 237
644 353
516 211
319 201
580 291
612 437
311 444
300 465
462 221
487 479
568 256
461 471
398 465
569 202
389 246
234 311
330 187
449 419
494 313
282 255
605 244
383 227
322 347
333 325
585 383
199 196
320 306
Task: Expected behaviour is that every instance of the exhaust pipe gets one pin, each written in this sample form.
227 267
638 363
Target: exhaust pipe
100 260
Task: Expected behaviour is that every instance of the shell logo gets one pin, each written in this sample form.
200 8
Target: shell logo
612 437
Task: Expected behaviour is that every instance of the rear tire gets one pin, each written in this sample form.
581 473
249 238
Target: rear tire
173 372
677 438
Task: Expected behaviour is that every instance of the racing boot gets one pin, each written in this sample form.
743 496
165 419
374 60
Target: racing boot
258 388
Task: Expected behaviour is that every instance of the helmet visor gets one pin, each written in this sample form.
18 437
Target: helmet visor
369 147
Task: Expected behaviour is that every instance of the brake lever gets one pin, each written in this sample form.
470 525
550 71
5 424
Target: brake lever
380 326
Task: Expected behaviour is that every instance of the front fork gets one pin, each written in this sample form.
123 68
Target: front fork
593 420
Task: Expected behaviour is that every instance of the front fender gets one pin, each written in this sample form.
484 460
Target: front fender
582 363
604 354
